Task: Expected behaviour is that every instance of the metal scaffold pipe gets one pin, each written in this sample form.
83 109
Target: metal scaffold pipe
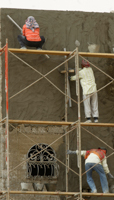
7 130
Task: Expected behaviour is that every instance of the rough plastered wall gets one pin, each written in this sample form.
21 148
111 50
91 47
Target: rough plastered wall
21 140
44 102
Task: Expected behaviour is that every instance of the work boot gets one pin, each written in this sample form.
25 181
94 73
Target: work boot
95 191
39 48
23 47
88 120
96 119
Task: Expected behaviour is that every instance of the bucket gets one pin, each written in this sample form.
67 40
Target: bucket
38 186
93 48
26 186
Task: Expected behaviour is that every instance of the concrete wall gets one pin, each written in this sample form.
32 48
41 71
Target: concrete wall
60 29
42 101
21 140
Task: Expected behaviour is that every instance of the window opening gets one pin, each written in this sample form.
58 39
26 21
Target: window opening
43 164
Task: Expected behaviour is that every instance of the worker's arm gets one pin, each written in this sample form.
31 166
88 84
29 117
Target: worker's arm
23 30
106 169
76 152
82 153
71 152
105 166
73 78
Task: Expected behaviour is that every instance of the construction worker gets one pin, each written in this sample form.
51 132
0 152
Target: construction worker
87 81
31 34
95 160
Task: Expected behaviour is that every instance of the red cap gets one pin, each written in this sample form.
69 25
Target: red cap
85 63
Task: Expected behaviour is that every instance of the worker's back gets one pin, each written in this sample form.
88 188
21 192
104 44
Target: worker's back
87 80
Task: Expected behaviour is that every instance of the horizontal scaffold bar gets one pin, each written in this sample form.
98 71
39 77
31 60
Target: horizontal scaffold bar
61 53
70 71
59 123
59 193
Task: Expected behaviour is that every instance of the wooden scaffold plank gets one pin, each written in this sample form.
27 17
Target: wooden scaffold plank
59 193
61 53
59 123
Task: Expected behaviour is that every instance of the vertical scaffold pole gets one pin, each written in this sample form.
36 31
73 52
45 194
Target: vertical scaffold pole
67 136
79 117
77 93
7 131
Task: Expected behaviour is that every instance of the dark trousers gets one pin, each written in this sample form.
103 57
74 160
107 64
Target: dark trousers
23 41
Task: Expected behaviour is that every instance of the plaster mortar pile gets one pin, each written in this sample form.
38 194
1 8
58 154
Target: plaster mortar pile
44 102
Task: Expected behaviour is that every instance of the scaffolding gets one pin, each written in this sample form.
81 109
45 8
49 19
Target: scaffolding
69 126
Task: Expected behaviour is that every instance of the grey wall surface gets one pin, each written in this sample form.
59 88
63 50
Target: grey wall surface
60 30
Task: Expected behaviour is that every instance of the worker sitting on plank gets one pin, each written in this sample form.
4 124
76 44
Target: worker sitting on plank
95 160
31 34
87 81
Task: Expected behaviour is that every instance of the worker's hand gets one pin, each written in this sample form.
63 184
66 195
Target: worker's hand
110 176
73 78
69 152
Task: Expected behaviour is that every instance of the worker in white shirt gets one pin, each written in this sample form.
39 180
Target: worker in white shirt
87 81
95 160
